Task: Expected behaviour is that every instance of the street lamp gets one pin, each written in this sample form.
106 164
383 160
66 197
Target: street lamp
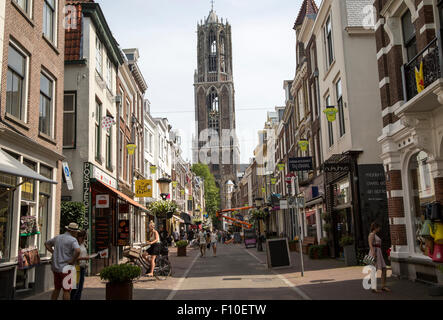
258 205
164 187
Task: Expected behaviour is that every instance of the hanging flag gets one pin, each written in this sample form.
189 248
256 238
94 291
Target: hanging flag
174 184
263 190
273 180
107 122
281 167
420 78
153 169
303 144
331 113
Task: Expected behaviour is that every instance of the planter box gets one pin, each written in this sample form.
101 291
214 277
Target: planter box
181 252
119 291
350 255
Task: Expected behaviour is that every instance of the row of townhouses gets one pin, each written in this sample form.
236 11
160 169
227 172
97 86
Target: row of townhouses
75 126
365 108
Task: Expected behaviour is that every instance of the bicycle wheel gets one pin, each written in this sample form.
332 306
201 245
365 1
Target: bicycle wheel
162 269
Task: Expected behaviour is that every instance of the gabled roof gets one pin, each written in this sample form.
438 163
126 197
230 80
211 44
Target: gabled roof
308 9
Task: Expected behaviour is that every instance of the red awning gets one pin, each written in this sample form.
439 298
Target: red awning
122 196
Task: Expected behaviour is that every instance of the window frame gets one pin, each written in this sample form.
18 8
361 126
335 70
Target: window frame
74 94
328 41
108 144
46 4
99 54
29 7
24 103
52 105
98 134
340 107
330 124
49 197
408 43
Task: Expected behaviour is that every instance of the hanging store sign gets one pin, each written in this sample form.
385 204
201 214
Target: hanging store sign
273 180
68 177
337 167
331 113
263 190
301 164
281 167
131 148
86 184
143 188
174 184
102 201
153 169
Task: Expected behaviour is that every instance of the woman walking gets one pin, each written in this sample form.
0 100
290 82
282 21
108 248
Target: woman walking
214 242
154 250
375 251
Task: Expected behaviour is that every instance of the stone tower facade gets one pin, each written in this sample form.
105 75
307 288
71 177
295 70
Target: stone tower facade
216 141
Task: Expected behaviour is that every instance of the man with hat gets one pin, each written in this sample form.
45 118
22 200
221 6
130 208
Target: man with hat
65 251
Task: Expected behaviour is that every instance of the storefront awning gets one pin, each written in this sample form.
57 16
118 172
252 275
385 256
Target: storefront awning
122 196
186 217
178 219
12 166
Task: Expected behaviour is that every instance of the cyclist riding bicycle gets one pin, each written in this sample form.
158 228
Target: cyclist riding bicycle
154 249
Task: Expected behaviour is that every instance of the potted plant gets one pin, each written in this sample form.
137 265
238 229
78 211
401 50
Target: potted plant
120 277
181 248
347 243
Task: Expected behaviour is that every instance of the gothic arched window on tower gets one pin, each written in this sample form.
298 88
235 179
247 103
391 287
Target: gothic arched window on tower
212 51
213 110
222 52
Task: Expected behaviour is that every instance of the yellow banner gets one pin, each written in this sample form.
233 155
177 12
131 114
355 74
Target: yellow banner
420 78
143 188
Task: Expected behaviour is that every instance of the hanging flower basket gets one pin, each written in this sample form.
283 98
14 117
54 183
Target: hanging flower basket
258 214
331 113
162 209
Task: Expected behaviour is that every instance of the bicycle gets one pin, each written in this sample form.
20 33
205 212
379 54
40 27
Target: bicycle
162 269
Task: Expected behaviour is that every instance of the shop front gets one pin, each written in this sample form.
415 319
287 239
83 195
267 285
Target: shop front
27 220
313 210
115 219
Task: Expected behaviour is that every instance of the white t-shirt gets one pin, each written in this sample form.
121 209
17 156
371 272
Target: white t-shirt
83 254
202 237
213 237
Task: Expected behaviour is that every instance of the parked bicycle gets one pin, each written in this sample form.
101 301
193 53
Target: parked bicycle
162 269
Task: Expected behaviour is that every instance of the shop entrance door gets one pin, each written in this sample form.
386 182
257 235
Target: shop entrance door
341 220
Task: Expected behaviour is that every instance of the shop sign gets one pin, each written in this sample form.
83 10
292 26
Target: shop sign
143 188
102 201
273 181
68 177
99 174
153 169
123 233
86 184
300 164
174 184
337 167
281 167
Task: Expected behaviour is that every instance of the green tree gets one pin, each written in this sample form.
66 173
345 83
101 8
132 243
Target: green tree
72 212
212 193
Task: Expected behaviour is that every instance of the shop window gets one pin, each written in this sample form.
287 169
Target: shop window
6 198
28 188
311 224
422 193
44 208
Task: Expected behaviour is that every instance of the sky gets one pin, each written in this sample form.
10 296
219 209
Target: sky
164 31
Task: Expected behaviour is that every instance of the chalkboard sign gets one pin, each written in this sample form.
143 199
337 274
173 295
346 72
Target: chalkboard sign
278 253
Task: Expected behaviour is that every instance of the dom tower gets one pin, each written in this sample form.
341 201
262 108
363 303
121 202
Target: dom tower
216 143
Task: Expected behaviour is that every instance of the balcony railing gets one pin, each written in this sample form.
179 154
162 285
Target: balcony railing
431 58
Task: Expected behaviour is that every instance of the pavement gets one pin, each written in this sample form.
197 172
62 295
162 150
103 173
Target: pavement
242 274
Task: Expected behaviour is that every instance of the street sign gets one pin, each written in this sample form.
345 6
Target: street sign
68 177
337 167
143 188
300 164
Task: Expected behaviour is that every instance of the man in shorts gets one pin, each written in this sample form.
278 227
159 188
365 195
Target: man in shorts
65 251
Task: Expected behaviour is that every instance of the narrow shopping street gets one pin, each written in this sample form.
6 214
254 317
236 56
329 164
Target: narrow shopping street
242 274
